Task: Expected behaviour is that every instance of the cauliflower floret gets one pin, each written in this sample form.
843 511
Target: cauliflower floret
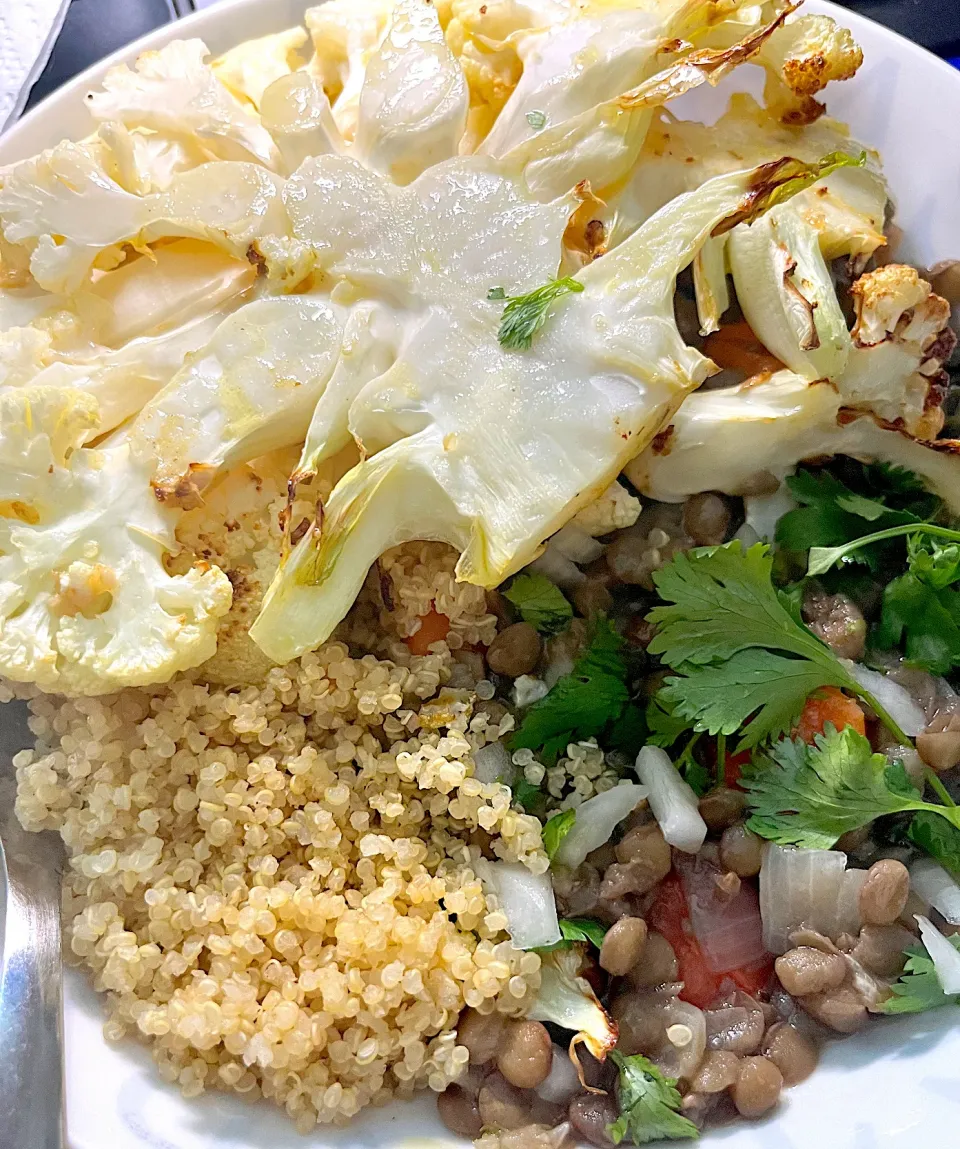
345 35
882 299
615 509
801 58
901 340
146 162
86 604
173 90
251 67
72 217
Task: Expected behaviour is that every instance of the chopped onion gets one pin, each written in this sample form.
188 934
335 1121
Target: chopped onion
673 803
763 512
492 763
931 882
596 821
527 690
729 931
527 901
946 960
558 568
894 698
799 888
562 1081
575 544
848 904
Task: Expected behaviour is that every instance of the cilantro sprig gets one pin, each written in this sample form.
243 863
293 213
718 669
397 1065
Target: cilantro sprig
576 930
524 315
823 558
582 704
742 661
555 830
649 1104
539 602
918 988
809 795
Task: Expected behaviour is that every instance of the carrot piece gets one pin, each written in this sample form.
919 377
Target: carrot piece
735 346
829 705
434 627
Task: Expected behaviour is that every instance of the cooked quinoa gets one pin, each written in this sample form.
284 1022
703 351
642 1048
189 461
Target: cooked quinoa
274 883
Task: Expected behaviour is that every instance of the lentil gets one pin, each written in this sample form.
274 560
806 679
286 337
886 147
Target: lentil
757 1087
884 893
806 970
623 946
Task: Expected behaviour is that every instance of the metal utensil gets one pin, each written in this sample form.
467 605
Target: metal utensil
31 1035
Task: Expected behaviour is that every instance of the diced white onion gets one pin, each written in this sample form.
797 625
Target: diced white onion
527 690
946 960
596 820
562 1081
894 698
848 906
575 544
492 763
763 512
729 930
799 888
527 901
931 882
672 801
558 568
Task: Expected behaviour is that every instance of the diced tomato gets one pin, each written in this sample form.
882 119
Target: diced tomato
434 627
736 347
829 705
670 916
753 979
733 767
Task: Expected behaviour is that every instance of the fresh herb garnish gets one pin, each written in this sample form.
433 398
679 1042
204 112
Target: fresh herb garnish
583 703
919 988
649 1104
938 837
555 830
742 660
527 795
808 796
921 608
832 515
823 558
537 120
524 315
575 931
539 602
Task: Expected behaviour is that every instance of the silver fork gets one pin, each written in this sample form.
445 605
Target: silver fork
31 1034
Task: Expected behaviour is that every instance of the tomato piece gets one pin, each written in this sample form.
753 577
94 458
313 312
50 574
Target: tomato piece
670 916
833 706
434 627
735 346
753 979
733 768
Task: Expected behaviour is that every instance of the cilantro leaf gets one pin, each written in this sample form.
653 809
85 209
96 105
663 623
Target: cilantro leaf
808 796
822 558
665 726
936 565
539 602
583 703
739 652
924 620
649 1104
574 931
527 795
556 830
918 988
524 315
832 514
940 839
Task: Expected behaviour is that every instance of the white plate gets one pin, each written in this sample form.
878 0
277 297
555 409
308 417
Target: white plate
895 1087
